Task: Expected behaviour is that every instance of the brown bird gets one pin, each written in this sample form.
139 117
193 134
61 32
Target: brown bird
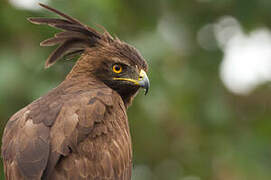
79 130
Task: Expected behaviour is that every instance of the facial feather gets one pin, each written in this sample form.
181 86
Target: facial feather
99 52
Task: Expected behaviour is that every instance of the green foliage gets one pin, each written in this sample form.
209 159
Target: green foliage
188 127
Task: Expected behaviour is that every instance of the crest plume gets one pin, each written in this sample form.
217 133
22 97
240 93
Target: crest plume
74 38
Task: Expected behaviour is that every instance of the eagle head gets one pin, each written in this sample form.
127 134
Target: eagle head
109 60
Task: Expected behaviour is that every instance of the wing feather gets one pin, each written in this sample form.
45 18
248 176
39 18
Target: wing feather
33 145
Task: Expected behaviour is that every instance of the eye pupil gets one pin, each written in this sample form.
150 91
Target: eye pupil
117 68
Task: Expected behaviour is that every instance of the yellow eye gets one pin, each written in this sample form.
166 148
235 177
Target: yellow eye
117 68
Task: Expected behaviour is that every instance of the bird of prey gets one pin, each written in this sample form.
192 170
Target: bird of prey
79 130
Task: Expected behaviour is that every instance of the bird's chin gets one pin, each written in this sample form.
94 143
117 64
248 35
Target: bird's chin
128 98
124 88
127 92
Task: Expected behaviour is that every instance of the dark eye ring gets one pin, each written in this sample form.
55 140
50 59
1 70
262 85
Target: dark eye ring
117 68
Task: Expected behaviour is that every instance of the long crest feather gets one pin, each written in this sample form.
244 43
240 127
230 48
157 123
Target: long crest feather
66 48
74 38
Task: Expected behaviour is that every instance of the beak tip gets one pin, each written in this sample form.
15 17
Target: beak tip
144 82
146 85
146 92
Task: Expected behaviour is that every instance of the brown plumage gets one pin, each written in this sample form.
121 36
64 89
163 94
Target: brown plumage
79 130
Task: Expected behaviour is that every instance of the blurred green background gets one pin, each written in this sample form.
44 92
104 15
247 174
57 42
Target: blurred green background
207 115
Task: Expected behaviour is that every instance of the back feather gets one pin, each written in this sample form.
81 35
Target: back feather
75 38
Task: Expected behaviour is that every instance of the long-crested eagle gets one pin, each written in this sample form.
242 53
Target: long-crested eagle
79 130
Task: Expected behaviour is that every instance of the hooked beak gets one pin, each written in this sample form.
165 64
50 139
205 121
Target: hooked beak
143 81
